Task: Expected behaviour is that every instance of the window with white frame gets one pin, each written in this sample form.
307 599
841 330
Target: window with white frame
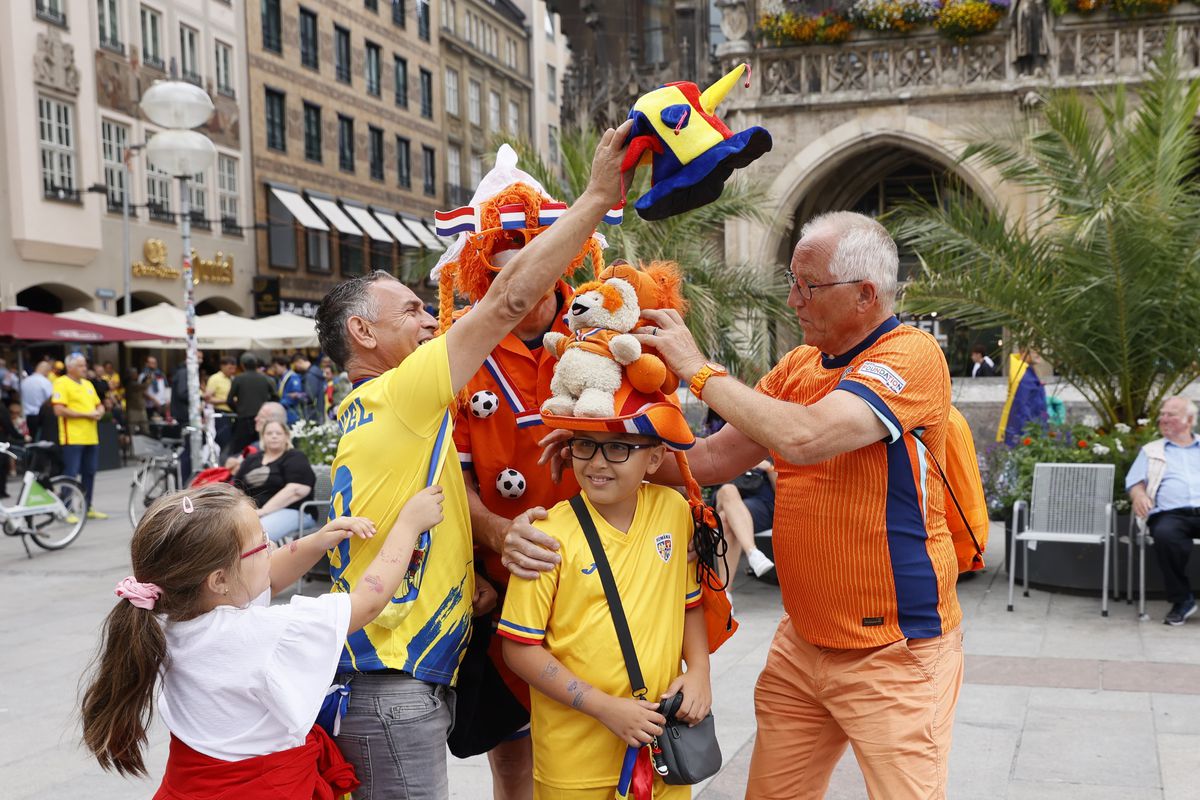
476 169
52 10
511 53
549 25
494 111
474 90
372 69
224 59
110 32
454 165
114 138
56 136
552 83
189 55
198 192
158 191
452 92
449 12
514 118
152 37
227 190
552 143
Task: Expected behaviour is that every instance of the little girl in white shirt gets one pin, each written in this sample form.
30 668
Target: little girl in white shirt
241 681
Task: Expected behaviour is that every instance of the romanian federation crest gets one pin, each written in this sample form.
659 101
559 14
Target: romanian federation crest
663 545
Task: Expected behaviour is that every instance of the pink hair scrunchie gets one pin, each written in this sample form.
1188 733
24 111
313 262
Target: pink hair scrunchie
142 595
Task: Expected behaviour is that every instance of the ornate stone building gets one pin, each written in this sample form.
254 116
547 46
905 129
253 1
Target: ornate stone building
71 75
347 132
866 123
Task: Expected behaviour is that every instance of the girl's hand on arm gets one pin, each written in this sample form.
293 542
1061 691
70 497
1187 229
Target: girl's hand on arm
340 529
423 511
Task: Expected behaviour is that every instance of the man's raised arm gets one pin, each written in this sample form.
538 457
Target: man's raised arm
536 267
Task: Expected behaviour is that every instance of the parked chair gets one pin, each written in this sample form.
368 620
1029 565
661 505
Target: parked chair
1139 535
321 497
1070 503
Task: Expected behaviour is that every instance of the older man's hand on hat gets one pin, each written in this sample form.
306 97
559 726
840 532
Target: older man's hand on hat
527 551
606 183
670 337
554 452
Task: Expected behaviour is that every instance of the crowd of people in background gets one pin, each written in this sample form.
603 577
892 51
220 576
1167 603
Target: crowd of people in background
146 400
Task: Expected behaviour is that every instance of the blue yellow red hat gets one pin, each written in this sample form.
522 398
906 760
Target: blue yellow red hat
692 152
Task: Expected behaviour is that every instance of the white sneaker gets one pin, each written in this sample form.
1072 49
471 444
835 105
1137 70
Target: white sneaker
761 565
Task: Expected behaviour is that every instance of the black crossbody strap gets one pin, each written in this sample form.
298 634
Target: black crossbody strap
616 610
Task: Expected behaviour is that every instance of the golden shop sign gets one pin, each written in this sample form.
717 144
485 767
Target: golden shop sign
154 264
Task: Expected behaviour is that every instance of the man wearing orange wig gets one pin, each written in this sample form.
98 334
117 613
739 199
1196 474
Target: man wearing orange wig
497 430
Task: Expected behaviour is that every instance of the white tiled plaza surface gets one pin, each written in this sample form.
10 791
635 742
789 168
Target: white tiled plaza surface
1059 703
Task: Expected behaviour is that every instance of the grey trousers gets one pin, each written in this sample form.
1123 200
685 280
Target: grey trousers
394 733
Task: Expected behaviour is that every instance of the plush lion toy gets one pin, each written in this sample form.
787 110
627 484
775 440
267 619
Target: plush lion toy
593 362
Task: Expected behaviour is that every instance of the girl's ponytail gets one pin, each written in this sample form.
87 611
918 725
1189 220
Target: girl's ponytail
118 704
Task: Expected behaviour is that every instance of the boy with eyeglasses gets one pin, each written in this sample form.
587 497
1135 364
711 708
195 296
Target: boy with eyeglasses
559 634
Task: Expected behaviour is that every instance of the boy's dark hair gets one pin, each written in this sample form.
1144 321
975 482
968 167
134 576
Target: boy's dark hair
348 299
978 348
226 360
249 362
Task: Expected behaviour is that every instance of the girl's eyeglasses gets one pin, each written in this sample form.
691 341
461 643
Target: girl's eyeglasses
266 544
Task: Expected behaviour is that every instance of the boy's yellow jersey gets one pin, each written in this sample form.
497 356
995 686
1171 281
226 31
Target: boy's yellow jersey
565 611
395 432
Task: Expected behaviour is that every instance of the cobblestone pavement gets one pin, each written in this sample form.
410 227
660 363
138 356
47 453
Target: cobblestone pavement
1059 703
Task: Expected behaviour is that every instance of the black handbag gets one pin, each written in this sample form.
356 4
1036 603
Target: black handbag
682 755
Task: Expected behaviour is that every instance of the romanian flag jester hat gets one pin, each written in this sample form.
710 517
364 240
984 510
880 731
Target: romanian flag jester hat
691 152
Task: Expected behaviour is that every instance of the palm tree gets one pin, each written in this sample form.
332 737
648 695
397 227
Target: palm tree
736 311
1103 280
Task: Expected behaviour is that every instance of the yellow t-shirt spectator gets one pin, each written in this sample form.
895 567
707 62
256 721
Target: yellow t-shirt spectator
394 429
76 396
218 388
565 611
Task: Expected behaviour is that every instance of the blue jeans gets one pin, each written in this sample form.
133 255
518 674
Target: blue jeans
394 733
286 522
79 461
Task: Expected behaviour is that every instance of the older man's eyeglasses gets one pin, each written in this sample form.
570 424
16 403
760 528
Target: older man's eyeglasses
614 452
806 289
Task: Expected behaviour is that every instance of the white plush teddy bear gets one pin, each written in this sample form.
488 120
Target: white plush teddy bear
591 362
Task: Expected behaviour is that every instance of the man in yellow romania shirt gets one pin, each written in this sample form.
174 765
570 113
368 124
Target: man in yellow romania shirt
396 435
78 409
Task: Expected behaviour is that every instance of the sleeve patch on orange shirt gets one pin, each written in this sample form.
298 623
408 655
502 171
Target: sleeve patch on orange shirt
884 374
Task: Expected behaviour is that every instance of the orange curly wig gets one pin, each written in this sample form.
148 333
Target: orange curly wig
471 275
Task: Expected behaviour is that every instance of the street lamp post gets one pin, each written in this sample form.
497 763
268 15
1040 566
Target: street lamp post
180 106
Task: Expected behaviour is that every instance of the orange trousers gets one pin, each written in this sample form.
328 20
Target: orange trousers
894 705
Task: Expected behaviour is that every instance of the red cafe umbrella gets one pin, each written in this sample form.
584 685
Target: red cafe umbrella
34 326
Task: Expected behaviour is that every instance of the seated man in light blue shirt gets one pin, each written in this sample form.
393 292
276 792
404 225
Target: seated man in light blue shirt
1164 486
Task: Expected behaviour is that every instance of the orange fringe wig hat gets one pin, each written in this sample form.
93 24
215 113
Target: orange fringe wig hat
508 209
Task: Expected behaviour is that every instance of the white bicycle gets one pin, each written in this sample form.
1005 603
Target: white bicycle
50 511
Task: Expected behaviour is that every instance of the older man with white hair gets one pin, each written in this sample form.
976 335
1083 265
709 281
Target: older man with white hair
78 408
869 651
1164 486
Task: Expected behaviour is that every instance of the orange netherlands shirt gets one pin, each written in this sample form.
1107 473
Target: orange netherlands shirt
861 544
500 426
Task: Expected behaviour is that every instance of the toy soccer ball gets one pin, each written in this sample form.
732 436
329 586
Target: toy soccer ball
484 403
510 483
